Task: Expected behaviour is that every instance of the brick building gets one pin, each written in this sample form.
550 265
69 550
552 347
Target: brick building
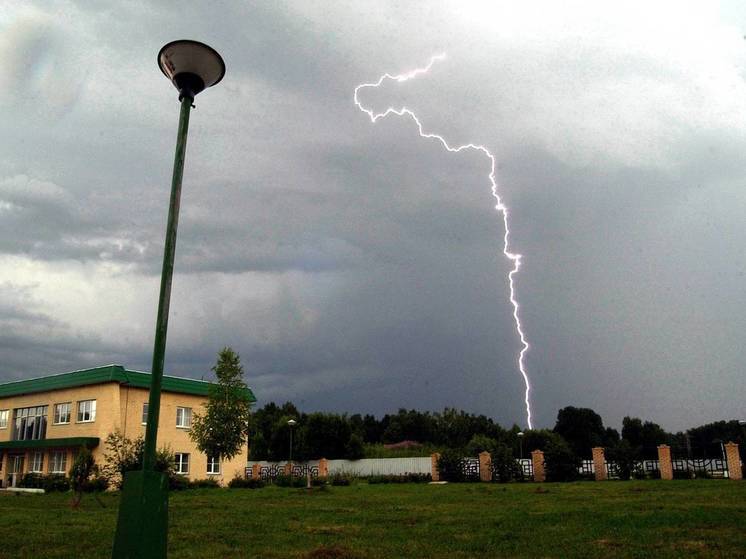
45 421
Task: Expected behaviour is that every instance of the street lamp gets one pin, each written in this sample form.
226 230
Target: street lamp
142 526
520 440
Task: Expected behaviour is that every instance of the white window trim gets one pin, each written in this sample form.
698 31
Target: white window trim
32 467
144 414
93 412
179 463
52 462
6 413
220 469
69 414
183 415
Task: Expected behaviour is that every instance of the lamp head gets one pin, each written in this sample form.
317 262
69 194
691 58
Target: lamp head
191 66
292 422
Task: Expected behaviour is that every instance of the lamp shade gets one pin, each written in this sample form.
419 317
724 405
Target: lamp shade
191 66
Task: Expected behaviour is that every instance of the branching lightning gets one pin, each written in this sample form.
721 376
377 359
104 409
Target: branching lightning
514 257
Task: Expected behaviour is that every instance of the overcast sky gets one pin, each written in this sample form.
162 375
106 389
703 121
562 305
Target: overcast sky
354 266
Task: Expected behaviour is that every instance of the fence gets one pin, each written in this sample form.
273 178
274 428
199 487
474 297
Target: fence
475 469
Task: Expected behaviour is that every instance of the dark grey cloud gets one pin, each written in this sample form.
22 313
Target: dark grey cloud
356 266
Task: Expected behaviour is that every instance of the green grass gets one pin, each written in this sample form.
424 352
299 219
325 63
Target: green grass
698 518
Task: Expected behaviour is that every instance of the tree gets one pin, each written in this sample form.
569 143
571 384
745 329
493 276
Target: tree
354 449
480 443
223 430
505 468
561 462
125 455
645 437
582 428
85 477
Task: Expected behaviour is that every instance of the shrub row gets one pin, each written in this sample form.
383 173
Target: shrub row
47 482
405 478
181 483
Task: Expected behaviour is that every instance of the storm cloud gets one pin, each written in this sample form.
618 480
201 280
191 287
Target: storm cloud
355 266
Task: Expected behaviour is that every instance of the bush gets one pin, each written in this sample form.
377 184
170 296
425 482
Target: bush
405 478
505 468
49 483
290 481
561 463
96 484
177 482
340 479
247 483
207 483
451 465
125 455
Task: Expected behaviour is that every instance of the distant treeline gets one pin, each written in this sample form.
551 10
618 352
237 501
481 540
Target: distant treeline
333 435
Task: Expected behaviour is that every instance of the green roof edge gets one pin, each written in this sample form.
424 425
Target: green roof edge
89 442
104 374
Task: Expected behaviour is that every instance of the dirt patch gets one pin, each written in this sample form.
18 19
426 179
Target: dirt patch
541 490
332 552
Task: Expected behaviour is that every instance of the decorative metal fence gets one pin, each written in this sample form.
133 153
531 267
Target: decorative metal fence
527 467
714 467
302 470
270 473
470 469
586 468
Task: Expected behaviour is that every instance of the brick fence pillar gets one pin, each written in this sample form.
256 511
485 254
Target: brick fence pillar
734 461
434 472
287 469
599 463
537 459
255 471
485 466
664 461
323 467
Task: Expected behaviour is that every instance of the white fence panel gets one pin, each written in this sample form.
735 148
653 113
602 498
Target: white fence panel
381 466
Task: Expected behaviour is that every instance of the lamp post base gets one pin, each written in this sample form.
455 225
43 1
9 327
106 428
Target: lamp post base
142 528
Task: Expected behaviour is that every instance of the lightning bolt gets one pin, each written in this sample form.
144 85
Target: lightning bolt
514 257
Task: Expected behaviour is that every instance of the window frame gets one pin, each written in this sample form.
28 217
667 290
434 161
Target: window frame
34 466
179 462
213 461
91 412
183 409
53 462
69 413
30 423
144 416
4 415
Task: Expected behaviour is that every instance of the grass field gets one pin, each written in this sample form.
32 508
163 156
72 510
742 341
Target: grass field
699 518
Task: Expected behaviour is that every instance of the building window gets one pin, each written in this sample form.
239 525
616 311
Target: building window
184 417
62 413
30 424
182 462
37 462
58 462
86 411
213 464
145 414
4 419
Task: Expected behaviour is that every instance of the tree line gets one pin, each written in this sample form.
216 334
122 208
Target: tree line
576 430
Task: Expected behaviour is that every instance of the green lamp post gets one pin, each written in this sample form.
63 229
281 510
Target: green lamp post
142 527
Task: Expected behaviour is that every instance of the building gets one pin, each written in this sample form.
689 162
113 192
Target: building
45 421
